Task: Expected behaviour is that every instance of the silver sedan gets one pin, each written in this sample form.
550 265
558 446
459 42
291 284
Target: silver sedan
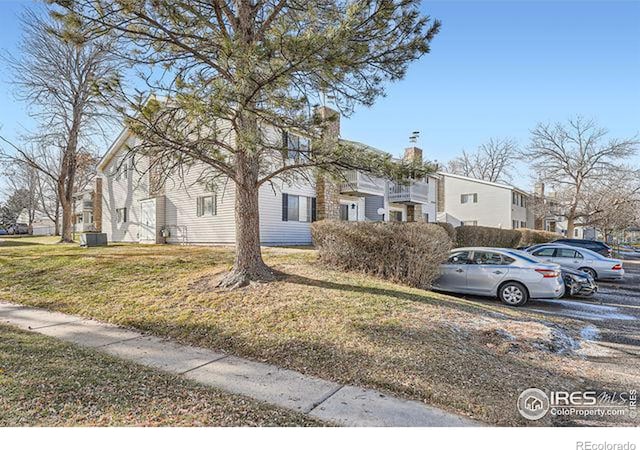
578 258
511 275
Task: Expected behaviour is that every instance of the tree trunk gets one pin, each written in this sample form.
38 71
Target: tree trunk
570 226
67 221
248 265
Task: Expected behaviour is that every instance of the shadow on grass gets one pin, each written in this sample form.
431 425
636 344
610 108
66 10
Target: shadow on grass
450 302
16 243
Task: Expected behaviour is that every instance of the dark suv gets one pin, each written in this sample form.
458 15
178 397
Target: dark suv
596 246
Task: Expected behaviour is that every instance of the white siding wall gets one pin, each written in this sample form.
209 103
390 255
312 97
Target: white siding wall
181 210
492 210
123 193
275 231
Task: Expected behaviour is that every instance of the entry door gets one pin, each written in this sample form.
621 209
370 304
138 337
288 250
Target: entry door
148 221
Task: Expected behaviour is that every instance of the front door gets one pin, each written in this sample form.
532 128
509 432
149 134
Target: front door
148 221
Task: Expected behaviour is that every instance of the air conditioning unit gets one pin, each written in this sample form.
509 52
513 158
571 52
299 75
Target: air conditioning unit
93 239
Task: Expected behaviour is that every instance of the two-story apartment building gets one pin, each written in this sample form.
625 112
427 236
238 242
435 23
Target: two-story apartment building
187 209
469 201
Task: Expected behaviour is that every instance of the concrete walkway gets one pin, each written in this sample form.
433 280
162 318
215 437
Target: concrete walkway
325 400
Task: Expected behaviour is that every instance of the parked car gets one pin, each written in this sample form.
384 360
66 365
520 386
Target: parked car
578 283
596 265
3 231
511 275
595 246
628 252
18 228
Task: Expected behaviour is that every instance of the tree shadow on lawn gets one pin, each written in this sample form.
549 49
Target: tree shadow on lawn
16 243
450 302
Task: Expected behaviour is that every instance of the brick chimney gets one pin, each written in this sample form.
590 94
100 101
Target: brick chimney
327 191
413 154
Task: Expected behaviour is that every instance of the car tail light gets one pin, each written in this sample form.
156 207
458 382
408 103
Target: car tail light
548 273
617 267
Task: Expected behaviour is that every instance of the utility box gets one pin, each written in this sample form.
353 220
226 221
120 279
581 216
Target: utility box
93 239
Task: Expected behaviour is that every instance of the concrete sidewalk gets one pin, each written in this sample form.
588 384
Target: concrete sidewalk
325 400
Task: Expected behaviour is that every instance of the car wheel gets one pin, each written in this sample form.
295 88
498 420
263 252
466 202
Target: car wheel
513 294
590 271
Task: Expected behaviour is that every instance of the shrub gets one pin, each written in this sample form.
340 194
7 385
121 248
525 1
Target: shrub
474 236
450 229
404 252
531 237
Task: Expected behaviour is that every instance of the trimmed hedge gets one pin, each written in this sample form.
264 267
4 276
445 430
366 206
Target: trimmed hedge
450 229
404 252
531 237
474 236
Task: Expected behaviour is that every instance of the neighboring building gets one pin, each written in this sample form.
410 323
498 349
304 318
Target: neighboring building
41 225
83 218
184 209
469 201
550 217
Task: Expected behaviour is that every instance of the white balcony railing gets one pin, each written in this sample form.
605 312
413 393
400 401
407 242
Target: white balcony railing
361 183
414 192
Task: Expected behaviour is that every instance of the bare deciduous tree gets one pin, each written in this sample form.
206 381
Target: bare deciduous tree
570 157
492 161
59 76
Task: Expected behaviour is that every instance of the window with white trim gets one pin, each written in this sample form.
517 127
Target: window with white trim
296 146
298 208
469 198
121 215
206 205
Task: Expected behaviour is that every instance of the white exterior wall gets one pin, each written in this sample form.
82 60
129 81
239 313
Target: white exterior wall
492 210
431 207
123 193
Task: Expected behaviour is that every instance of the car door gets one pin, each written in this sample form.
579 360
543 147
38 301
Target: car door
487 270
453 273
568 257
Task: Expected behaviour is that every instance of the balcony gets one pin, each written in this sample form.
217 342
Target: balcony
416 192
358 183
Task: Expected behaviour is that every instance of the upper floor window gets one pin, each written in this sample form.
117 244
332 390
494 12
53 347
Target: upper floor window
122 167
206 205
469 198
296 146
518 199
121 215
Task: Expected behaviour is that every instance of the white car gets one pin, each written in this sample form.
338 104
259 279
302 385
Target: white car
511 275
598 266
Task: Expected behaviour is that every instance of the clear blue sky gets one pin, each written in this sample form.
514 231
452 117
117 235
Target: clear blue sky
495 69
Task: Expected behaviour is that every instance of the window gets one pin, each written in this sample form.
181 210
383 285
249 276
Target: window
523 224
122 167
206 205
567 253
472 223
298 208
514 224
518 199
469 198
121 215
459 258
426 217
395 216
491 258
296 145
548 252
575 232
